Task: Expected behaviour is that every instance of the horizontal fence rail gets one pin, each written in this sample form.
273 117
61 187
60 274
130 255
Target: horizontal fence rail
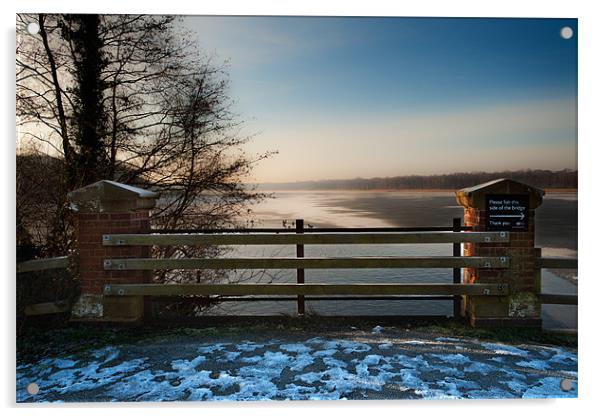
43 264
309 230
47 308
308 263
255 298
554 299
335 238
477 289
557 263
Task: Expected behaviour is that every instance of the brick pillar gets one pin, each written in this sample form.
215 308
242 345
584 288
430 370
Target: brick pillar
522 307
108 207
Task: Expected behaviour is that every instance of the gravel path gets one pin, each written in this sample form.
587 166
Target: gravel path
382 363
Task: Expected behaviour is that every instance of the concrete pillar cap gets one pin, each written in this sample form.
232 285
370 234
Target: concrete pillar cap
475 196
110 196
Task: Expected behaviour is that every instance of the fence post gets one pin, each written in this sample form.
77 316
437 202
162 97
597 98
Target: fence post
300 272
504 206
538 272
457 227
108 207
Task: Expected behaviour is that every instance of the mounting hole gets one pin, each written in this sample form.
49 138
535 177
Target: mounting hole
566 32
32 28
566 384
33 388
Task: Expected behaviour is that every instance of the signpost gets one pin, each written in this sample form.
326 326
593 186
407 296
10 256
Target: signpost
507 212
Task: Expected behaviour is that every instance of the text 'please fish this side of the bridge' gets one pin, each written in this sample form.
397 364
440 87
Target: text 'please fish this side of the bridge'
507 212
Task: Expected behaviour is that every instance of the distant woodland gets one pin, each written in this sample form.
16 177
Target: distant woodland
539 178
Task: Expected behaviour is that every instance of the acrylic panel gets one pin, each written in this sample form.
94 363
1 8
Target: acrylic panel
295 208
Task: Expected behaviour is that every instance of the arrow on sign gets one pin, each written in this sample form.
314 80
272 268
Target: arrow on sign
521 216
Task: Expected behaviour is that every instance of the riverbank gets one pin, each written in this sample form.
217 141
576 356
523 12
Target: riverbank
426 190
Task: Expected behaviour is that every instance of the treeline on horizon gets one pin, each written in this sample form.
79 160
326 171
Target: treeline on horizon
566 178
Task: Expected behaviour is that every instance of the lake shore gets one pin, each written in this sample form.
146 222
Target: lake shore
430 190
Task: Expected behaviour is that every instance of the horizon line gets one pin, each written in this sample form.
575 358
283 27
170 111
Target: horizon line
299 181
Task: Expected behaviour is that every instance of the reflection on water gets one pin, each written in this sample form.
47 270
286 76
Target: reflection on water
348 276
556 222
320 209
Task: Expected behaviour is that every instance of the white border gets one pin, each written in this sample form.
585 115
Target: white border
590 41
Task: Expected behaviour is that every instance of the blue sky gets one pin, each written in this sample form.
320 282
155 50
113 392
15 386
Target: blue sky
349 97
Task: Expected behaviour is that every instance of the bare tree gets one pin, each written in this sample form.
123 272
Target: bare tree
167 123
164 121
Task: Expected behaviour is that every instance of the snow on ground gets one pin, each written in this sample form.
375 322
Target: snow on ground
377 364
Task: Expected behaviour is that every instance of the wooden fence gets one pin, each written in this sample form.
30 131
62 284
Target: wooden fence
301 291
43 264
36 265
557 263
300 237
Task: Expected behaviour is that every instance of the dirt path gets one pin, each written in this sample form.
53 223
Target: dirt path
381 363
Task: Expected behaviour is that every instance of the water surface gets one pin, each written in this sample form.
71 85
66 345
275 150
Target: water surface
556 234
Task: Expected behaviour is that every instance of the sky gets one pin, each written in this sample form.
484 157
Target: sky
365 97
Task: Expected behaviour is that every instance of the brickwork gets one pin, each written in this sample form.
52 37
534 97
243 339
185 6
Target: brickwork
90 228
520 249
107 207
521 307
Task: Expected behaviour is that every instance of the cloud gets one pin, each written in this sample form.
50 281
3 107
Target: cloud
248 41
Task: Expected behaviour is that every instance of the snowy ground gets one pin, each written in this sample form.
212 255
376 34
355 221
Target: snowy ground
383 363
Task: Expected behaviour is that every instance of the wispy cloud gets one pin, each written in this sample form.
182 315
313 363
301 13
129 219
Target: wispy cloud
249 41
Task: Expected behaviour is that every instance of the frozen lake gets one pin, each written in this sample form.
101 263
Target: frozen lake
556 234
